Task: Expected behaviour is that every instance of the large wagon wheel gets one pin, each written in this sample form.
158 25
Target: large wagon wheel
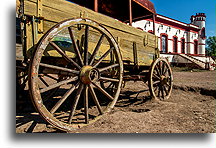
91 52
160 79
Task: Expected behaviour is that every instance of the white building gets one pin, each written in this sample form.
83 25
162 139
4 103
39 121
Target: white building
180 42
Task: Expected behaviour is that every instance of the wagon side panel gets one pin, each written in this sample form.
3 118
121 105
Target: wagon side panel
130 39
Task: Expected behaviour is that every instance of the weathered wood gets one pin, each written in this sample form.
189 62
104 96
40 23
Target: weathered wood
55 11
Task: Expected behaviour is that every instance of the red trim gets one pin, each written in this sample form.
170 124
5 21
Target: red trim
151 31
164 34
201 44
175 46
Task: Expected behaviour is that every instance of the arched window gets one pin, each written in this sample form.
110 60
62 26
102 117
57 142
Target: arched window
164 43
182 45
175 44
195 47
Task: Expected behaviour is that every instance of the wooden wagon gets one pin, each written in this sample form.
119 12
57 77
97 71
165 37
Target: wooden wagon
79 53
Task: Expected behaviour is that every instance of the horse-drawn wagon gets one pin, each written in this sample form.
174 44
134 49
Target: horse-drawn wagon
79 53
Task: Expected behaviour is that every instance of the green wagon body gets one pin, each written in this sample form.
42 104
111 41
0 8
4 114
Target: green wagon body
136 46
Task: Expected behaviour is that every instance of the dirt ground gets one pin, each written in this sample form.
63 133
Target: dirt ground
190 109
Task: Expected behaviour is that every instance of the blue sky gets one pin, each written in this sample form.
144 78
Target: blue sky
182 10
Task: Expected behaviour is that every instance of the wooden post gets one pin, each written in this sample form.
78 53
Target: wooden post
130 12
96 5
40 21
154 24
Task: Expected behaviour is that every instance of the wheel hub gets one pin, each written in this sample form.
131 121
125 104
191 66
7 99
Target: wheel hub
163 80
89 74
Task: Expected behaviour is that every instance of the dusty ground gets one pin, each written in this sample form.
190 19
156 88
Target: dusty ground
202 79
190 109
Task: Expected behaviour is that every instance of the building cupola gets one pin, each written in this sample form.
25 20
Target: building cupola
200 20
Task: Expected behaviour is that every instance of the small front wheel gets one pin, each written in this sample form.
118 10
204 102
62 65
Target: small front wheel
160 79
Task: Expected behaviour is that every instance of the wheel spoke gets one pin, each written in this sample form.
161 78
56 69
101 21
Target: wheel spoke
166 91
109 79
163 67
156 83
103 91
86 45
104 56
162 90
95 99
58 84
156 76
59 103
165 71
43 81
59 68
51 77
79 47
155 89
86 104
157 70
96 49
159 63
108 87
167 84
111 84
108 67
64 55
76 99
159 91
76 49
